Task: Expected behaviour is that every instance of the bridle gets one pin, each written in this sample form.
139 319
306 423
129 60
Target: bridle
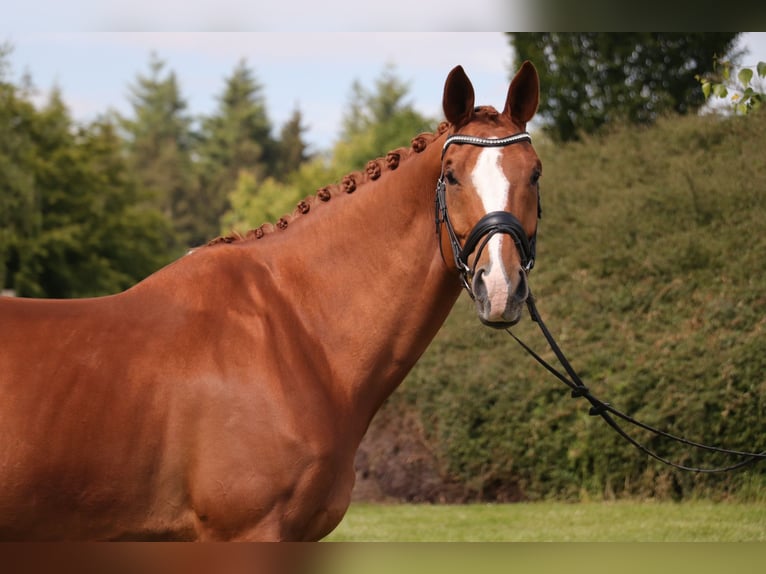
504 222
491 224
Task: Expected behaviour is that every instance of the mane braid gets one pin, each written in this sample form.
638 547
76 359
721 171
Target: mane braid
348 184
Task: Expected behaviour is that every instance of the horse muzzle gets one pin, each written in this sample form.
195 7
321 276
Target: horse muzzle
499 299
498 292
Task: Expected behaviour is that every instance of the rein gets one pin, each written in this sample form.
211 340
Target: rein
606 411
505 222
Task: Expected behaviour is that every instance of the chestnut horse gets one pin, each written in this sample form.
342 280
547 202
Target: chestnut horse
224 397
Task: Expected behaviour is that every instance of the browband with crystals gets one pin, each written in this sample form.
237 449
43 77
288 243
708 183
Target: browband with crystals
485 142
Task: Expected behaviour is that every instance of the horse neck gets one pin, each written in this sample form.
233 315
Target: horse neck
385 289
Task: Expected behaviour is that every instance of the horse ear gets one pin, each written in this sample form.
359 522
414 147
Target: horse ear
458 97
523 95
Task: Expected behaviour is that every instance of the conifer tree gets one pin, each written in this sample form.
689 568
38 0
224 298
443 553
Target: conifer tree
292 147
73 219
377 121
159 140
18 217
236 138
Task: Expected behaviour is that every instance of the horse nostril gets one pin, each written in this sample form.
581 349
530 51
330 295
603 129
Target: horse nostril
522 288
479 286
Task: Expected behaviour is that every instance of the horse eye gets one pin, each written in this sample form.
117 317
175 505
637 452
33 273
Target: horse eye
451 179
535 178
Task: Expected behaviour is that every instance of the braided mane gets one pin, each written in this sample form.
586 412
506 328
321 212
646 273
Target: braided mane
348 184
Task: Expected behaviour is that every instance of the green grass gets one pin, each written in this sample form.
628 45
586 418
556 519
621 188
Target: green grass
698 521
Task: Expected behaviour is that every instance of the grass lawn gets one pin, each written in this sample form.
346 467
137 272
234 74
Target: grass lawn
699 521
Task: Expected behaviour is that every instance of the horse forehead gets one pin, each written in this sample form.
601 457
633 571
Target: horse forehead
496 171
489 179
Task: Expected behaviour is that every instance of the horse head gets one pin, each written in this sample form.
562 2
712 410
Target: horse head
488 194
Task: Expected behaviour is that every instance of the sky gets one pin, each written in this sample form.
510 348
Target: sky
312 71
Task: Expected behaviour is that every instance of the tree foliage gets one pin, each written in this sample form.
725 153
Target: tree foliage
742 93
236 137
589 79
17 200
159 141
92 209
377 121
255 201
74 220
292 149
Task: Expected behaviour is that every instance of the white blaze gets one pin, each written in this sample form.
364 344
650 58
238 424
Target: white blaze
493 188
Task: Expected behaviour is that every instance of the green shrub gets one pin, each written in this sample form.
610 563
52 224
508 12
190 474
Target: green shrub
651 276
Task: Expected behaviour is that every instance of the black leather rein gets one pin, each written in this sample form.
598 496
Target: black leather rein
608 413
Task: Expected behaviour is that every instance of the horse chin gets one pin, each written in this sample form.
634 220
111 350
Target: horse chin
500 325
506 321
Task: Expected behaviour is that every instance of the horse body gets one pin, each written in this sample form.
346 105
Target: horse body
224 397
157 405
